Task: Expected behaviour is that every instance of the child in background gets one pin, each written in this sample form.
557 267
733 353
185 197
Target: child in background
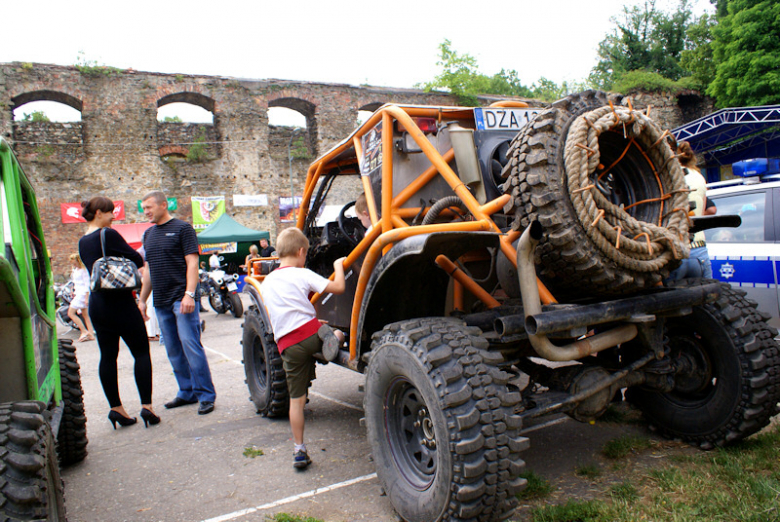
80 278
361 209
297 331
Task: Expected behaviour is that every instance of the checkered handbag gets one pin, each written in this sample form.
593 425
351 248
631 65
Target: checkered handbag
113 273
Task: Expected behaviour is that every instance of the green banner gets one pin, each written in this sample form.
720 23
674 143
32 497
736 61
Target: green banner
206 210
172 205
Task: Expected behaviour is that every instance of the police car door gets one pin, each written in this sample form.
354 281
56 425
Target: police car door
747 257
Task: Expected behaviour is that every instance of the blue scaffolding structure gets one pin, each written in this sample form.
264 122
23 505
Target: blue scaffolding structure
730 135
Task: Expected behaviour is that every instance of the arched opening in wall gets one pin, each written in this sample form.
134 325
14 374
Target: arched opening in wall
362 116
292 138
364 112
187 125
47 125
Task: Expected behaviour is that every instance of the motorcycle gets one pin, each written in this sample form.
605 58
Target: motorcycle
64 296
222 290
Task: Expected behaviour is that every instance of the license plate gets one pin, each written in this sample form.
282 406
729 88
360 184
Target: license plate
232 287
503 119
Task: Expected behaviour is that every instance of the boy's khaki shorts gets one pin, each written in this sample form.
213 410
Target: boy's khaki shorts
299 365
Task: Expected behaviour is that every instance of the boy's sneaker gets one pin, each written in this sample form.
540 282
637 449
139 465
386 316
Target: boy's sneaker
330 343
301 460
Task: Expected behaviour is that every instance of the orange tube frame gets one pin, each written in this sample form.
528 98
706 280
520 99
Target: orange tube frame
390 230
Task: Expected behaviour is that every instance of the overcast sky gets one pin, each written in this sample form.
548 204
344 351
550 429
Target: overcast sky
391 44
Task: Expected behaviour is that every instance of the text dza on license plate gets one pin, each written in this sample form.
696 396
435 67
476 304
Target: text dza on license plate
503 119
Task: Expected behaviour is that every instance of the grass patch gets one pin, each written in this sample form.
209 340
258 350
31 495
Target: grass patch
537 487
625 492
622 447
739 483
570 512
590 471
253 452
286 517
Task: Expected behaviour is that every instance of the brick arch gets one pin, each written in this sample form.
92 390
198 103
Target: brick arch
177 150
47 95
309 111
193 98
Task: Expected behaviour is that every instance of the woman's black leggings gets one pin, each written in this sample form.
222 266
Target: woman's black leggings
115 316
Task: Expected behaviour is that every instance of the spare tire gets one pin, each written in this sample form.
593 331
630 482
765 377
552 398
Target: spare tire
605 185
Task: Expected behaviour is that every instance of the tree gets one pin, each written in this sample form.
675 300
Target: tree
698 59
746 52
462 78
644 39
36 116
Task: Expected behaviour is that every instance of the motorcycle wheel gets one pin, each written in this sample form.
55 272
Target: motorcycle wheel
236 306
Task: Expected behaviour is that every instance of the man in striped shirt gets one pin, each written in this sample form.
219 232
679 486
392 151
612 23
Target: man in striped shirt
172 272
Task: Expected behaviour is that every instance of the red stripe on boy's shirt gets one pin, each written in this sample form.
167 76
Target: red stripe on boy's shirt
304 331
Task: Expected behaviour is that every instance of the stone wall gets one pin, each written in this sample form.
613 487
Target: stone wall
120 150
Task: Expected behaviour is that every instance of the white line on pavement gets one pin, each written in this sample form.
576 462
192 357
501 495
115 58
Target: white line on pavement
242 512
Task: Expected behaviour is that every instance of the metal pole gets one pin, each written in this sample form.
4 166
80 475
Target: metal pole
289 160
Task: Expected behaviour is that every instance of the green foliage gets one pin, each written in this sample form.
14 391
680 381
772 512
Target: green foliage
590 471
570 512
44 150
36 116
197 152
646 81
460 76
285 517
299 149
536 487
698 58
622 446
625 492
746 52
178 78
171 119
644 38
27 66
253 452
92 69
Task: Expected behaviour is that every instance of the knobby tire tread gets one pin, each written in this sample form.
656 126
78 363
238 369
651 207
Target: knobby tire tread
72 434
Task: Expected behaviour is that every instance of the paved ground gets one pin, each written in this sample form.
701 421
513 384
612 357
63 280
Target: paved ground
193 468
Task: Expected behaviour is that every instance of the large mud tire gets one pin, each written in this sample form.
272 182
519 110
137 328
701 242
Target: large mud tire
732 385
433 381
72 434
569 261
265 375
30 483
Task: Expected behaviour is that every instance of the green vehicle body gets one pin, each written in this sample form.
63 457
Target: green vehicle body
26 293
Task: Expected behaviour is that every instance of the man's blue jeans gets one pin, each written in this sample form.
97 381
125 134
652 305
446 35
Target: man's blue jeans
182 341
697 265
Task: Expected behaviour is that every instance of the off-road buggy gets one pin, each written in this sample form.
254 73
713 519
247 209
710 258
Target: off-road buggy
41 399
515 268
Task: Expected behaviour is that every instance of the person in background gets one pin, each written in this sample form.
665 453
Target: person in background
297 331
172 272
253 254
266 250
115 315
80 277
698 264
361 209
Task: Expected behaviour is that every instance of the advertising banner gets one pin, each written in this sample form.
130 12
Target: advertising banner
206 210
255 200
230 247
287 208
172 205
71 212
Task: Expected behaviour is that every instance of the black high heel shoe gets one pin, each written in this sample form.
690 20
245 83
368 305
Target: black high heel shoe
149 417
114 416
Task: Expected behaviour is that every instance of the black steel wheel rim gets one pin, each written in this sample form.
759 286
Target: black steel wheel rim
697 381
410 433
261 367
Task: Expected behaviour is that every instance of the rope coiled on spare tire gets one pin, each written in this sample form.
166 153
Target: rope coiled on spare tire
621 237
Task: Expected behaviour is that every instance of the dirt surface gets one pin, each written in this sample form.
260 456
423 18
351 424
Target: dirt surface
192 467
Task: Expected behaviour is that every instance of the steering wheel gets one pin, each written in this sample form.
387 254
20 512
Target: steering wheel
351 227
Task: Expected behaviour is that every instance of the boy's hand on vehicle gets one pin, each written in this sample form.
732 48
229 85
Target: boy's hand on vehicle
339 263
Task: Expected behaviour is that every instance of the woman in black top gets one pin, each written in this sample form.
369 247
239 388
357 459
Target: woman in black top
115 314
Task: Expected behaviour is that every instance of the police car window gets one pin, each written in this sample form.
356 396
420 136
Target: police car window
750 207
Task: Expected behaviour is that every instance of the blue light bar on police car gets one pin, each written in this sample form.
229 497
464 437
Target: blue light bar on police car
756 167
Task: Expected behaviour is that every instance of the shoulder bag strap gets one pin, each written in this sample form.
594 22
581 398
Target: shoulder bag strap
103 240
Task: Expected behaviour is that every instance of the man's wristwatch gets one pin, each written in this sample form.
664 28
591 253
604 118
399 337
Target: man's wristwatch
191 294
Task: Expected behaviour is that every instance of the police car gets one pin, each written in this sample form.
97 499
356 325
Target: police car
748 256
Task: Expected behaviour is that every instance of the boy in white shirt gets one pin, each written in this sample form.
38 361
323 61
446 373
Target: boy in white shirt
297 331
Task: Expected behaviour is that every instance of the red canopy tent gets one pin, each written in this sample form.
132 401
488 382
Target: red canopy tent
132 232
